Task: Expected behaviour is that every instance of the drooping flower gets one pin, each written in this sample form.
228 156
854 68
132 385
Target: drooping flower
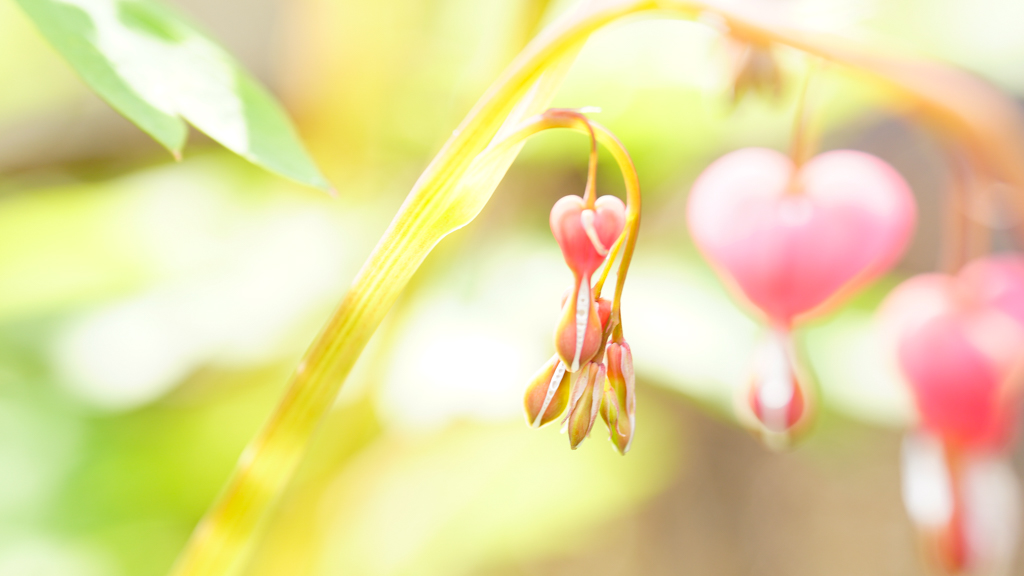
585 236
792 241
959 343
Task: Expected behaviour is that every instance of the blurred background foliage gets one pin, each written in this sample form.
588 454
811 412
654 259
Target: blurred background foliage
150 311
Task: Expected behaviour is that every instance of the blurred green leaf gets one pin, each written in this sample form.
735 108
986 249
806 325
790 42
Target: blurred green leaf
158 71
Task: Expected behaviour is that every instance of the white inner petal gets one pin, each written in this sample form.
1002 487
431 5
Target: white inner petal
927 489
587 221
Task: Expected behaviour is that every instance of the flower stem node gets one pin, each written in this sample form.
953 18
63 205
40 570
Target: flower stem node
584 401
547 395
618 401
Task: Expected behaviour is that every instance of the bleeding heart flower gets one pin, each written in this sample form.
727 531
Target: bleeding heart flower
585 236
792 239
959 342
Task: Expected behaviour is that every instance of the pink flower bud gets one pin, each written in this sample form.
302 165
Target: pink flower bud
584 402
776 395
579 332
547 394
959 342
618 403
585 236
793 240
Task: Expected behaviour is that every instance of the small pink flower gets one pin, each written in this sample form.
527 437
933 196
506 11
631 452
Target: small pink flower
959 342
791 240
585 236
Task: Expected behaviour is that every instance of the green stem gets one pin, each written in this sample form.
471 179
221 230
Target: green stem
803 141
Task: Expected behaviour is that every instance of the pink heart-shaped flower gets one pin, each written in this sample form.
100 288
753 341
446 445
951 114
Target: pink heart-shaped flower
790 240
959 341
586 235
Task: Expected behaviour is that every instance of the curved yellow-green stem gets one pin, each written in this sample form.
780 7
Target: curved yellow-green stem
451 191
576 120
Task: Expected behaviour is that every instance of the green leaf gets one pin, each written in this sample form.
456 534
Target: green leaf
158 71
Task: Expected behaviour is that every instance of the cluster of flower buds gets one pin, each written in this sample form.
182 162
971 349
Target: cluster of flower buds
959 343
792 241
588 375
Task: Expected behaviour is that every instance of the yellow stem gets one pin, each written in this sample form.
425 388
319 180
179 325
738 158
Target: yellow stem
590 192
803 140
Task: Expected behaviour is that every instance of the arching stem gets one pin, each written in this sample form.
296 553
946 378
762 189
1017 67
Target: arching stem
804 139
576 120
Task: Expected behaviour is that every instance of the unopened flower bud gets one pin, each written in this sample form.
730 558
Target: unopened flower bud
584 402
547 393
579 332
618 403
